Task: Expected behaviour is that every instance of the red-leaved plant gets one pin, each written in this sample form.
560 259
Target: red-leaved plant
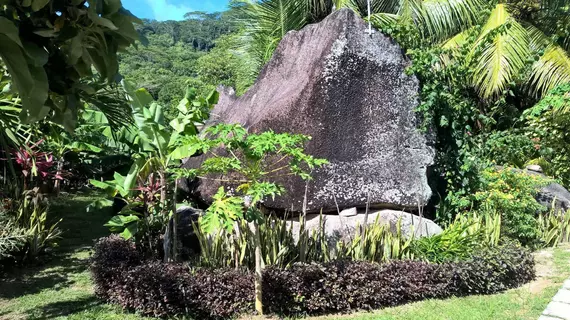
34 162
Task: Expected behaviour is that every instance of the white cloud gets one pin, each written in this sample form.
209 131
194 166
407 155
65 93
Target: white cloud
163 10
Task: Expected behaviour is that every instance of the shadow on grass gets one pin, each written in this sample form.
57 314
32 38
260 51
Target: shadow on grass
54 275
64 308
80 230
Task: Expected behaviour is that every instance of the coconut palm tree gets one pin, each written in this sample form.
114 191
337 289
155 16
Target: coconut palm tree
500 53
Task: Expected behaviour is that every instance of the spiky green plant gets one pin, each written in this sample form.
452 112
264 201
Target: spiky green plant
282 247
554 227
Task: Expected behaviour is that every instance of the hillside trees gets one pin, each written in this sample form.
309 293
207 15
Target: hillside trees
169 60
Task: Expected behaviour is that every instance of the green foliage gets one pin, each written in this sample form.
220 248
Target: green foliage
226 65
49 56
376 242
512 195
283 246
554 227
12 238
32 215
548 122
169 62
155 147
460 239
509 148
447 107
25 230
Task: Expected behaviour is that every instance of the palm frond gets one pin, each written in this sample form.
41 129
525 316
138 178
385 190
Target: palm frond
499 53
384 20
112 103
442 19
457 41
384 6
410 11
267 21
550 71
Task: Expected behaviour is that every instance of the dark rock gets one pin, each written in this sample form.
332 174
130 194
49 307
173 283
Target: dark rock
553 193
118 204
349 91
190 245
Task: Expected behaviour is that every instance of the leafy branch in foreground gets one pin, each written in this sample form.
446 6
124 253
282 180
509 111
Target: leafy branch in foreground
50 49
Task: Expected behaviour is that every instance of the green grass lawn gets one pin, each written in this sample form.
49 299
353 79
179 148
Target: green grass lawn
61 287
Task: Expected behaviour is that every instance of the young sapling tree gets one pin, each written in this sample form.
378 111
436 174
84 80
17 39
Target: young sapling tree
248 166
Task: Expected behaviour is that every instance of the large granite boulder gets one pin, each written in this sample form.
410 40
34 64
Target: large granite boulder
339 227
349 91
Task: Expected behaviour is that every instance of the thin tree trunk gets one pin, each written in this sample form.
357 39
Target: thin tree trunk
167 243
57 184
258 270
174 225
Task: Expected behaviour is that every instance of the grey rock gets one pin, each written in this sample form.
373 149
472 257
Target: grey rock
553 193
558 309
566 284
337 227
349 212
349 91
535 168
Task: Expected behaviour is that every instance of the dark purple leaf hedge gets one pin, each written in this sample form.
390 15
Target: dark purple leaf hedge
153 288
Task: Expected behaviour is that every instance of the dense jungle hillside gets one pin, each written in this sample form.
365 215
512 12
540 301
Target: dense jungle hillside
174 54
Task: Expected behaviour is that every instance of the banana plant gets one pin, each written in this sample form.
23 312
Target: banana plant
155 147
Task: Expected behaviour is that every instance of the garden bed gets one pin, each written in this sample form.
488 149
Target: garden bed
152 288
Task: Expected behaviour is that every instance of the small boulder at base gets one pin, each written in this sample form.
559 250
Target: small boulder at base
553 196
338 227
187 218
350 92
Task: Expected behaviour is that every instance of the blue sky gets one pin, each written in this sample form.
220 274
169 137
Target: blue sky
171 9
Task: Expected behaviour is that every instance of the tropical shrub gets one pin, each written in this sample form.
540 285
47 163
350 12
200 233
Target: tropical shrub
511 148
494 269
148 188
468 233
159 289
111 255
343 286
12 238
512 194
251 163
25 228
